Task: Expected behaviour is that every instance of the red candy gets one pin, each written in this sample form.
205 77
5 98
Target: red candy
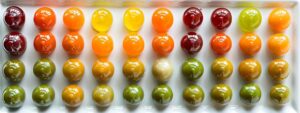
192 17
191 43
14 17
14 44
221 18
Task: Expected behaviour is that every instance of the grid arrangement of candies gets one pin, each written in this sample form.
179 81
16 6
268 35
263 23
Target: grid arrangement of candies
14 44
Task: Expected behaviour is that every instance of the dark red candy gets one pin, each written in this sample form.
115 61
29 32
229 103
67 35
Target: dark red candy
221 18
14 17
14 44
191 43
193 17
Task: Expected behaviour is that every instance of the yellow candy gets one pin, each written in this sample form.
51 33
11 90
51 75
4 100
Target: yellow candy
133 19
102 20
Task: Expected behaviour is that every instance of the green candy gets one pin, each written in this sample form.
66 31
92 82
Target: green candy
43 95
221 93
193 95
249 19
103 95
14 70
192 69
44 69
280 94
162 94
133 94
13 96
250 93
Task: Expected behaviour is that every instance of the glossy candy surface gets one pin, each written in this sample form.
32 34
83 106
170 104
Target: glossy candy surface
221 94
249 69
72 95
279 44
221 68
191 43
73 43
13 96
43 95
14 70
193 95
73 19
14 44
133 19
279 19
44 69
163 44
133 94
162 94
44 18
102 20
103 95
133 69
249 19
280 94
250 93
103 70
45 43
192 17
221 18
73 70
162 69
102 45
133 45
14 18
278 69
250 43
162 20
220 43
192 69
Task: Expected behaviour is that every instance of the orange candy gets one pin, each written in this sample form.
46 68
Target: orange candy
73 19
220 43
163 44
250 44
279 44
44 18
73 43
133 45
102 45
45 43
162 20
279 19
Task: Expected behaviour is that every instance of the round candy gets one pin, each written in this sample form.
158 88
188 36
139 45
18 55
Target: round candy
103 95
250 93
192 69
162 20
162 69
221 94
133 69
193 95
44 69
133 19
191 43
280 94
163 44
72 95
279 19
45 43
14 70
73 43
13 96
14 44
279 44
43 95
222 68
249 19
102 20
133 45
192 17
278 69
249 69
221 18
73 70
133 94
44 18
162 94
73 19
250 44
14 18
102 45
103 70
220 43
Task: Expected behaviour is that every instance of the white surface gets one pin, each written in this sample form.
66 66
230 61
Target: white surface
177 57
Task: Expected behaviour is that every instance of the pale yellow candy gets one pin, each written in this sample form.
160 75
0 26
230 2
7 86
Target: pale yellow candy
162 69
133 19
102 20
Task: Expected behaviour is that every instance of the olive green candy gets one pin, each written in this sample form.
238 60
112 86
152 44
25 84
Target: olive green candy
14 70
250 93
44 69
193 95
221 94
43 95
250 69
133 70
133 94
103 95
278 69
13 96
162 94
222 68
162 69
192 69
279 94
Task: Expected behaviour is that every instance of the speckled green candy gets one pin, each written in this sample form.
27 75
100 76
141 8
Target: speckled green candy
280 94
193 95
192 69
162 94
250 93
43 95
44 69
249 19
103 95
133 94
13 96
14 70
221 94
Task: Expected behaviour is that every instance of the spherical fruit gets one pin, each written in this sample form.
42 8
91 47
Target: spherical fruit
250 93
44 69
133 69
14 44
192 69
73 43
14 18
102 45
222 68
102 20
221 94
220 43
249 69
249 19
44 18
73 19
133 94
103 70
45 43
13 96
103 95
162 69
162 20
73 70
280 94
163 44
162 94
72 95
133 19
221 18
250 44
193 95
192 17
279 44
278 69
133 45
43 95
191 43
14 70
279 19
